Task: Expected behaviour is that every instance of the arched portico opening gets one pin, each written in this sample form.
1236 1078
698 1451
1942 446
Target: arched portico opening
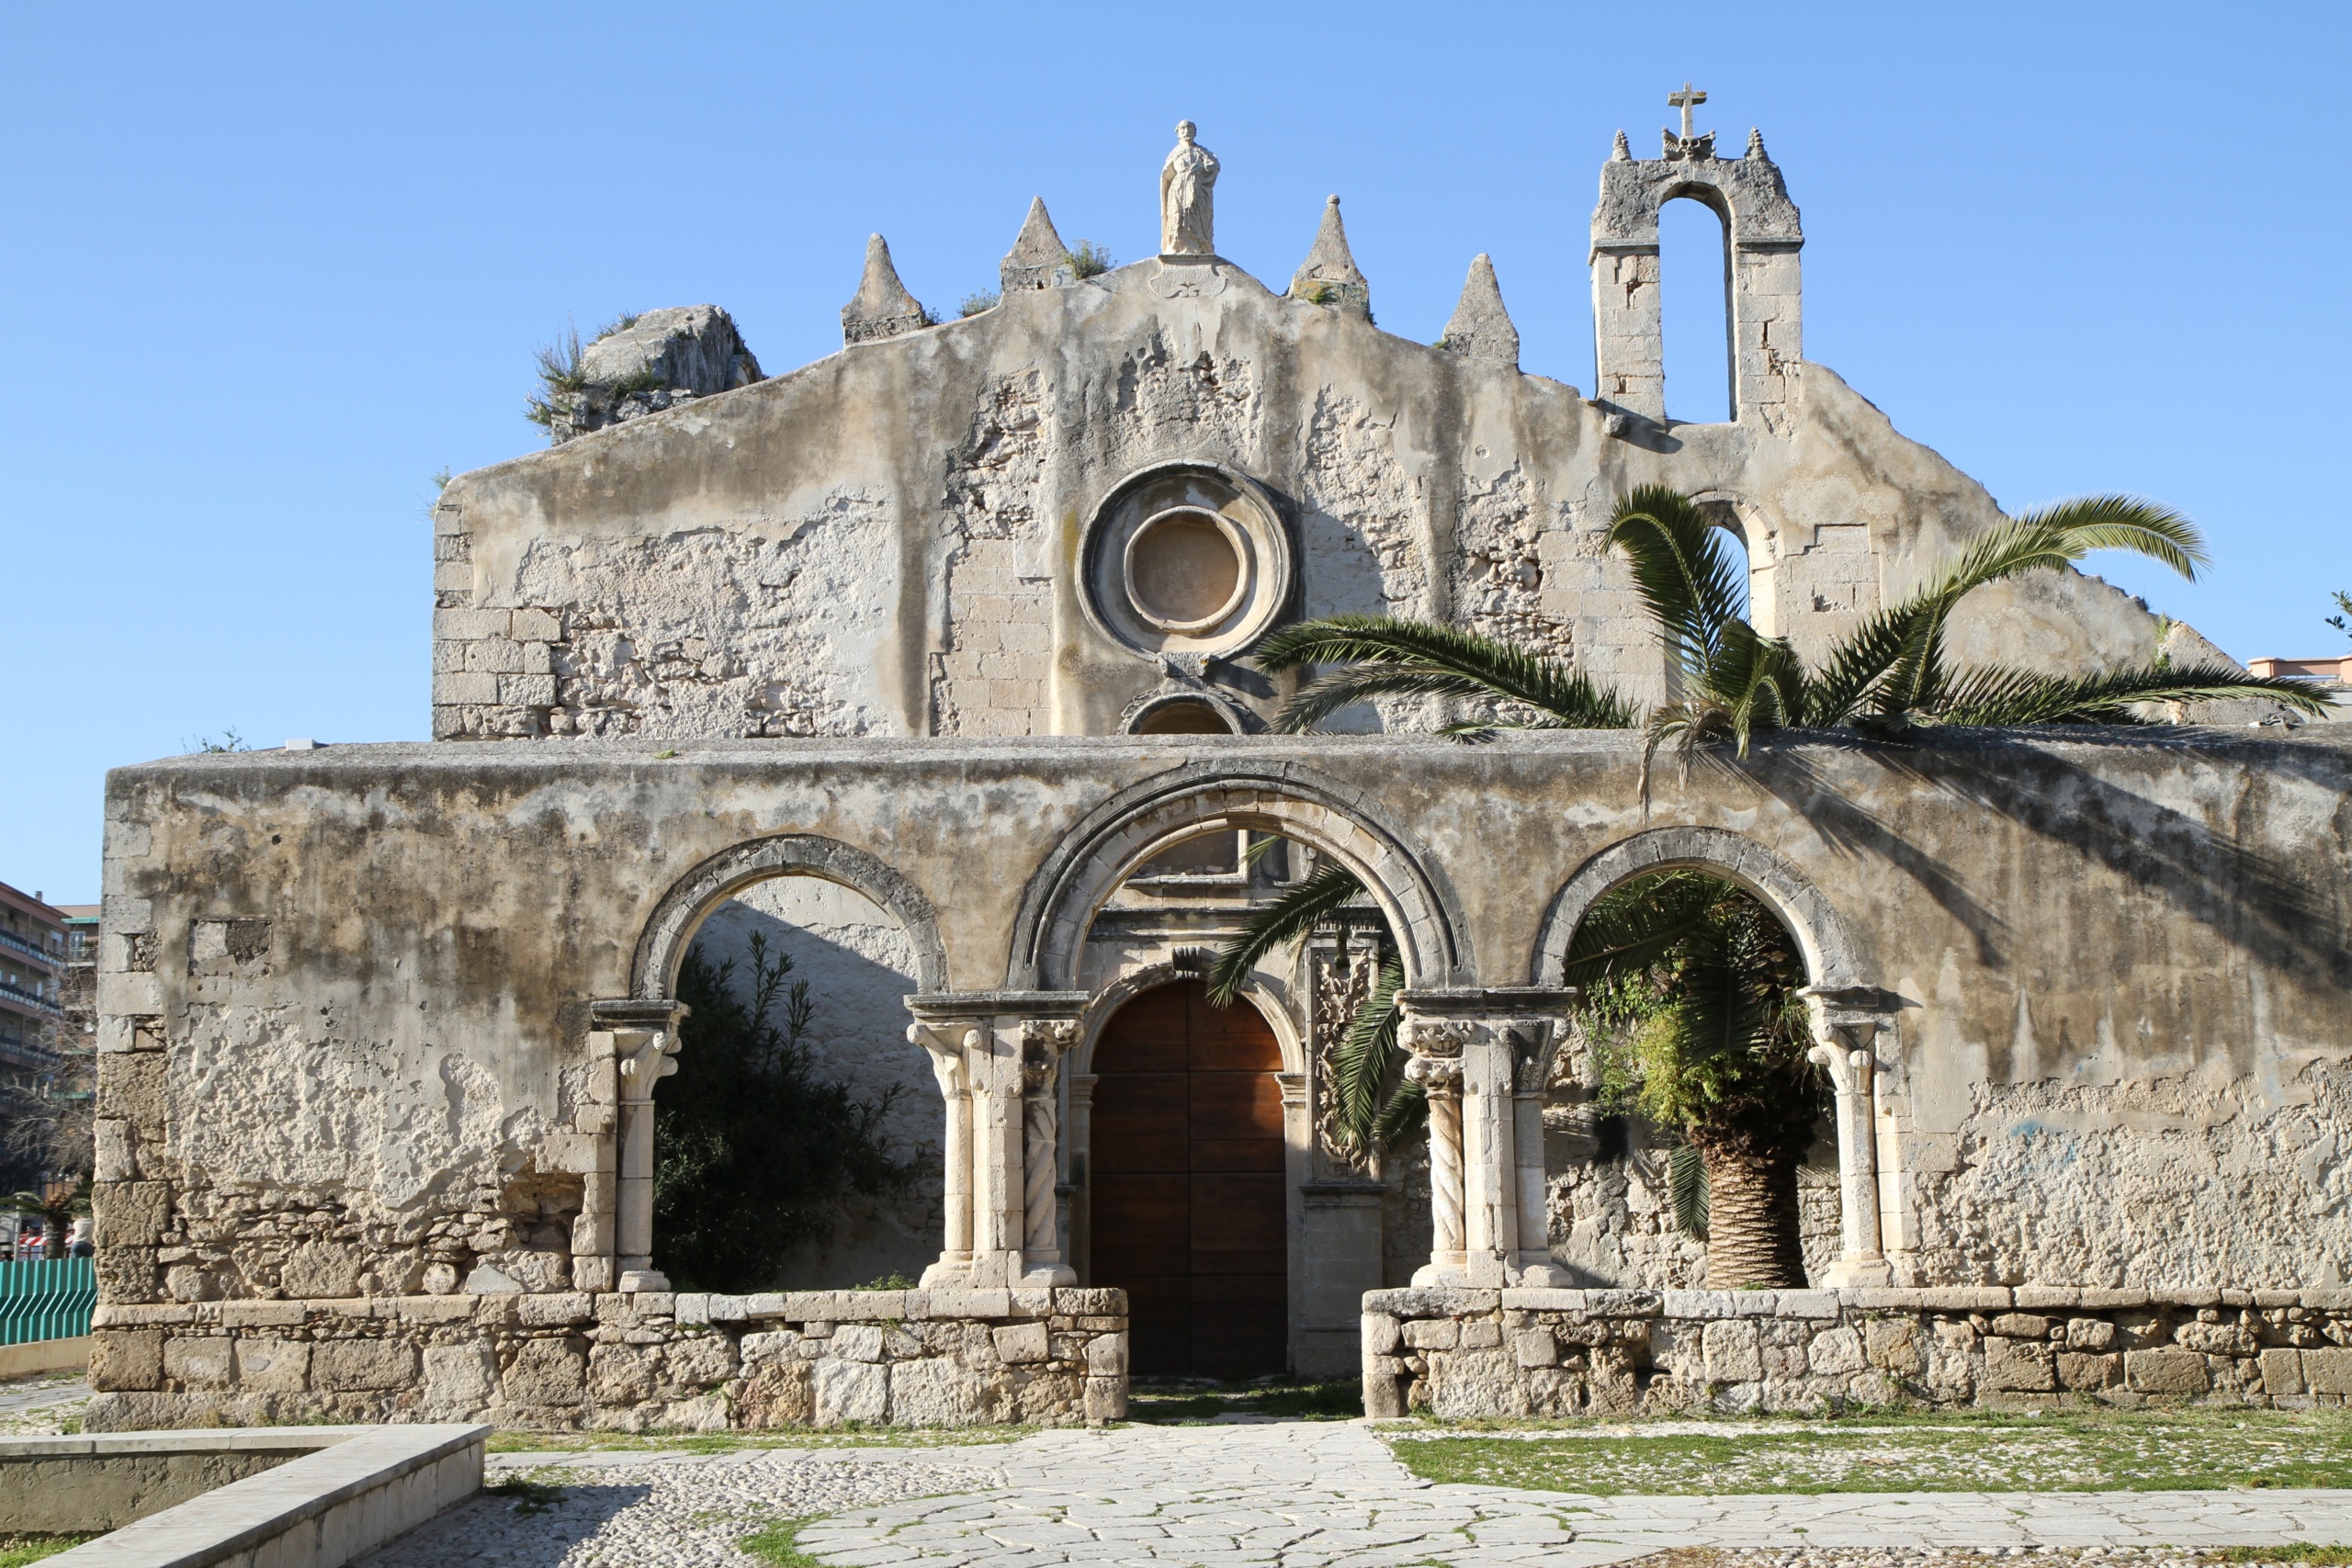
1841 1033
770 989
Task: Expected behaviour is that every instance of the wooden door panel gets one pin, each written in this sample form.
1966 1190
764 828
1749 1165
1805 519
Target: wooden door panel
1140 1123
1188 1187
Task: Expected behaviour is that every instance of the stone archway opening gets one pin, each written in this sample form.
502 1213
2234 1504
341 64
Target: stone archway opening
1661 1184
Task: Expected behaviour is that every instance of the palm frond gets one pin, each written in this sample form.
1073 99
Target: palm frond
1688 586
1686 1191
2004 696
1402 1116
1637 923
2126 523
1365 1056
1387 657
1300 909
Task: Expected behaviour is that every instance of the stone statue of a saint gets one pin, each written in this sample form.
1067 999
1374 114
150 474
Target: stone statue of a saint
1187 209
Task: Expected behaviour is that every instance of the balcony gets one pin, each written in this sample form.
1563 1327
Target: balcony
22 997
14 944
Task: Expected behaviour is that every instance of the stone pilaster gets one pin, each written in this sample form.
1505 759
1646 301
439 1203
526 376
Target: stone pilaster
1483 1057
1005 1048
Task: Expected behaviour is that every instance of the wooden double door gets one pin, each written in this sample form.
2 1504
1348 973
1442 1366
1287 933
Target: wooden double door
1185 1178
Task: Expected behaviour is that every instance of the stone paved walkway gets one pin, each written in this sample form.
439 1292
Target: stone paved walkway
1308 1494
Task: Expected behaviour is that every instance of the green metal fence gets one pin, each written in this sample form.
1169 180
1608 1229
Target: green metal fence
47 1299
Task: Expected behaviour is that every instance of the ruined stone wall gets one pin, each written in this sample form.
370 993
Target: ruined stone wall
1465 1354
609 1362
888 542
345 1031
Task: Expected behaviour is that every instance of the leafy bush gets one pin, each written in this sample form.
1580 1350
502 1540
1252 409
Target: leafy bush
753 1149
976 303
1090 260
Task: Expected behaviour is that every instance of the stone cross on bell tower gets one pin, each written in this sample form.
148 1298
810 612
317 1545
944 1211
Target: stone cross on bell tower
1689 145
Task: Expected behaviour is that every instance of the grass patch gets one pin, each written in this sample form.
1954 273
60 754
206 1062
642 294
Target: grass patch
2287 1552
778 1545
526 1494
1190 1400
16 1550
2119 1451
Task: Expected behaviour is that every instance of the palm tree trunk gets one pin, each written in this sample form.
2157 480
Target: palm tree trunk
1751 1218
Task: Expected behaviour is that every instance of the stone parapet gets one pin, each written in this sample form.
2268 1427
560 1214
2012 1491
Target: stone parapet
623 1362
1524 1352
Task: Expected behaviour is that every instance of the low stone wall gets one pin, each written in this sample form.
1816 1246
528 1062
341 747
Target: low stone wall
627 1362
1549 1352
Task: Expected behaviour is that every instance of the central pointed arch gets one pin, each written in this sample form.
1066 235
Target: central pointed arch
1128 829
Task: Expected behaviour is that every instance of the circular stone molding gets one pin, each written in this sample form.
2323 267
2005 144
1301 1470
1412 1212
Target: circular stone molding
1187 558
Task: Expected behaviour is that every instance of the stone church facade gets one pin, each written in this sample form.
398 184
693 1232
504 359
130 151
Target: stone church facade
932 659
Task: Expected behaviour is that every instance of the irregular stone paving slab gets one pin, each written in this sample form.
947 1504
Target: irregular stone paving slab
655 1510
1310 1495
1303 1494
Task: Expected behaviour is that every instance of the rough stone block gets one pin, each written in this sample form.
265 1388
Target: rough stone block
780 1392
2081 1371
937 1392
545 1371
2090 1334
1700 1303
273 1366
2047 1298
2112 1299
126 1359
1106 1355
263 1314
966 1303
851 1391
2019 1366
2215 1338
1965 1298
198 1363
1106 1400
2282 1372
2022 1326
1535 1347
1733 1350
535 626
1807 1303
1481 1334
1021 1342
1090 1303
620 1374
130 1214
1432 1334
363 1365
131 1090
2328 1371
2165 1371
459 1379
1382 1333
856 1342
699 1361
556 1310
1469 1384
1835 1353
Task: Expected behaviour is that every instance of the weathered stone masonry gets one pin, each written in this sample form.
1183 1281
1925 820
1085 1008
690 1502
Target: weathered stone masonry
1469 1353
629 1362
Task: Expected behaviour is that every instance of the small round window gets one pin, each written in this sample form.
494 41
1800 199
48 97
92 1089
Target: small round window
1185 570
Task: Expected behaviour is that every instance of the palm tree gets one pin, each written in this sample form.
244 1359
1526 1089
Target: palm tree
1720 1053
1691 1007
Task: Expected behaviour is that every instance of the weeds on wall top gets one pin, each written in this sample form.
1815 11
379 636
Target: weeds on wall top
974 304
1090 260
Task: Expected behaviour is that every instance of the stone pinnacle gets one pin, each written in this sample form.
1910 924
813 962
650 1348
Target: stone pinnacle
1329 275
1480 328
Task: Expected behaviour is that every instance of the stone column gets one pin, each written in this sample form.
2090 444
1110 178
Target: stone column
1483 1055
644 1058
1847 1023
949 1050
1079 1140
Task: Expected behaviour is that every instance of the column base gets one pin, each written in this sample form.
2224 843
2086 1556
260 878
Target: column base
642 1280
1045 1274
1853 1273
1443 1269
1541 1273
951 1272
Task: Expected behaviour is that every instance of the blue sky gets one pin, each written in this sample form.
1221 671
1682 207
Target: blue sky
271 268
